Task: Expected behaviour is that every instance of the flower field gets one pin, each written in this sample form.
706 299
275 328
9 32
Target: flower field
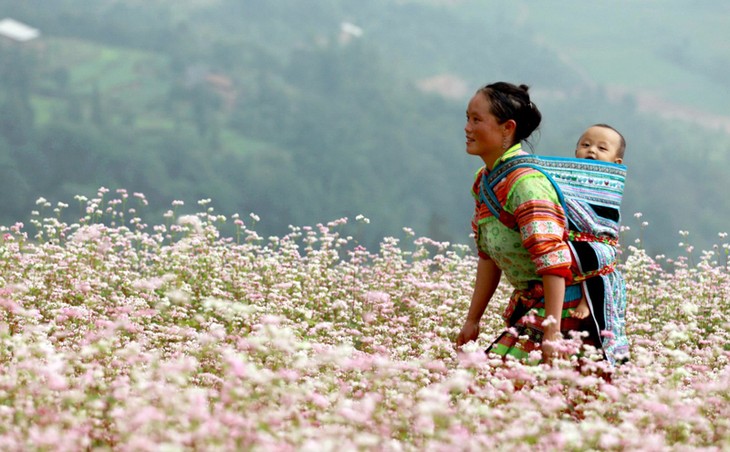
119 335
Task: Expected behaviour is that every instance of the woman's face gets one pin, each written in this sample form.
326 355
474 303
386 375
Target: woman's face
484 135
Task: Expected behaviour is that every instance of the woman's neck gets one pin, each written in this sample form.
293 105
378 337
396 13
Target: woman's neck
491 161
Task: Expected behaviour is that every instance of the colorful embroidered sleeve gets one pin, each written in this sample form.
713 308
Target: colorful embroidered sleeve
541 220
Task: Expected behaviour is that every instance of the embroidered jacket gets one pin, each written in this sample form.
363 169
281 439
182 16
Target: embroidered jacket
539 246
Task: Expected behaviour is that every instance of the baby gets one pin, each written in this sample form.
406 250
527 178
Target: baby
599 142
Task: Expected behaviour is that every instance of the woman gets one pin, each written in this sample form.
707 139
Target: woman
532 252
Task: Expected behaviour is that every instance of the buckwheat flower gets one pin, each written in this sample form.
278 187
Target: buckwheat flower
362 219
237 366
367 441
178 297
609 441
191 220
689 308
339 305
269 319
338 222
47 437
459 381
56 381
83 287
19 287
10 305
377 297
88 233
150 284
255 217
607 333
318 400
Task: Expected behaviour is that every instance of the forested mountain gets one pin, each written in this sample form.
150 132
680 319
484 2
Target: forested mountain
304 112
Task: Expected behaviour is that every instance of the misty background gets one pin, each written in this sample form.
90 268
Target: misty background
304 112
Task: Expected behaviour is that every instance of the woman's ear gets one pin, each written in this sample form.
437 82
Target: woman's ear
509 127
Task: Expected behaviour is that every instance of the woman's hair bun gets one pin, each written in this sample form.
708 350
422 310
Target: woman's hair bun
511 101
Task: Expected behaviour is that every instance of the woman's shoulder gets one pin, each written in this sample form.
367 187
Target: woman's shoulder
525 175
525 184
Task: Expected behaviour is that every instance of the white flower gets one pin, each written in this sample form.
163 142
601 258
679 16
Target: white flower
689 308
178 296
192 221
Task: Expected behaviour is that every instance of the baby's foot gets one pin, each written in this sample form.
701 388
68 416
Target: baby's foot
581 311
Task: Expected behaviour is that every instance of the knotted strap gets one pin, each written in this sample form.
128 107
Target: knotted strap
521 301
577 236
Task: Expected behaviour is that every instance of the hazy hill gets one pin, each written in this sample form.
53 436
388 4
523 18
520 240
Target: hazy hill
279 109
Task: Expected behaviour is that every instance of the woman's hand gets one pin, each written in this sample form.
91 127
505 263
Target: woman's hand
554 295
469 332
487 280
550 346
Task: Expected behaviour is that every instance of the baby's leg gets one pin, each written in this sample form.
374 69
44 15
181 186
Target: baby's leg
581 311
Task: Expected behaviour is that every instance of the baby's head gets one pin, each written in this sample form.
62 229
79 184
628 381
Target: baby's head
601 142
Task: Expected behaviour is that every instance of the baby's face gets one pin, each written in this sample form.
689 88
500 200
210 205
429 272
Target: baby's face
599 143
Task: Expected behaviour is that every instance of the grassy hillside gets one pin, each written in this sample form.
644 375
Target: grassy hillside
673 49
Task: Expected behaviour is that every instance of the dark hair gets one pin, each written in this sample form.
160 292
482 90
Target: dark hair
622 145
509 101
